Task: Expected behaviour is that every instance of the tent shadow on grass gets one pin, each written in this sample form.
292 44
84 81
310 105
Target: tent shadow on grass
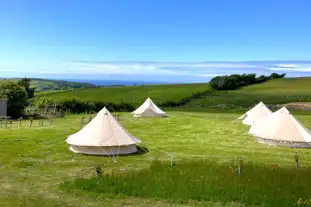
141 150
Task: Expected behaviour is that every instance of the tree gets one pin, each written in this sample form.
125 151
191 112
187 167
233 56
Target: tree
25 82
236 81
276 76
16 96
224 83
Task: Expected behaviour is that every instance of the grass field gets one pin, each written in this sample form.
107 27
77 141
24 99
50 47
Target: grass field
131 94
272 92
36 165
45 85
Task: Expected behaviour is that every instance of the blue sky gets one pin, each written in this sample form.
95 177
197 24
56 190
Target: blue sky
165 40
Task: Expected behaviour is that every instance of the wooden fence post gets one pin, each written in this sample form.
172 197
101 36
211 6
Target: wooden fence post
240 168
297 160
82 120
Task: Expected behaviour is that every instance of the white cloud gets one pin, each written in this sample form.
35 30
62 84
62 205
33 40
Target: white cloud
287 65
292 67
8 70
152 68
170 70
307 70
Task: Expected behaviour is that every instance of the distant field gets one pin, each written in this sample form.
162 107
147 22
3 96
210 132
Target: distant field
54 85
131 94
35 161
272 92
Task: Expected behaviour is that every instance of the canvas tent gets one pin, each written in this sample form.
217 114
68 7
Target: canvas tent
281 128
148 109
256 113
104 135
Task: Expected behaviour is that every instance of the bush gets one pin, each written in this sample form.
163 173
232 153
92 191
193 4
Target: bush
75 105
16 96
235 81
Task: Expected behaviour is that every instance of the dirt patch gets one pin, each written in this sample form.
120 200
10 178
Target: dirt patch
296 105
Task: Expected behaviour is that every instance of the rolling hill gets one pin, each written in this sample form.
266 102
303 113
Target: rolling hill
54 85
272 92
130 94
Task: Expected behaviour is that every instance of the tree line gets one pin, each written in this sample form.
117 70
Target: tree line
235 81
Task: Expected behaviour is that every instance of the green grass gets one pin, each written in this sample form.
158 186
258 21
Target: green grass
46 85
35 161
130 94
204 180
272 92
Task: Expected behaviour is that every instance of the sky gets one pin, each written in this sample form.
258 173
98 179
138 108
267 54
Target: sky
159 40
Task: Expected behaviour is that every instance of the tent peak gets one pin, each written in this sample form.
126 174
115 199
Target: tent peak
105 110
283 110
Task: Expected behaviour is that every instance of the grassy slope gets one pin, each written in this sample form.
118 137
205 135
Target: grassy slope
272 92
128 94
30 174
50 85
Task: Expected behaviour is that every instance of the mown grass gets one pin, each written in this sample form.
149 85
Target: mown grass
203 180
35 161
131 94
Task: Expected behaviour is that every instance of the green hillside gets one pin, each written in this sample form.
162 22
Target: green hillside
48 85
278 91
131 94
273 92
55 85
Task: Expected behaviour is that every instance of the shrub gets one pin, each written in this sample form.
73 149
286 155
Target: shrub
16 96
75 105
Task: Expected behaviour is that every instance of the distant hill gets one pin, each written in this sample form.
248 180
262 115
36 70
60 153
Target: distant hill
55 85
273 92
116 82
129 94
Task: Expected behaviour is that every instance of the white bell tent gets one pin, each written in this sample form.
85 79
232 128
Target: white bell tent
256 113
104 135
148 109
283 129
